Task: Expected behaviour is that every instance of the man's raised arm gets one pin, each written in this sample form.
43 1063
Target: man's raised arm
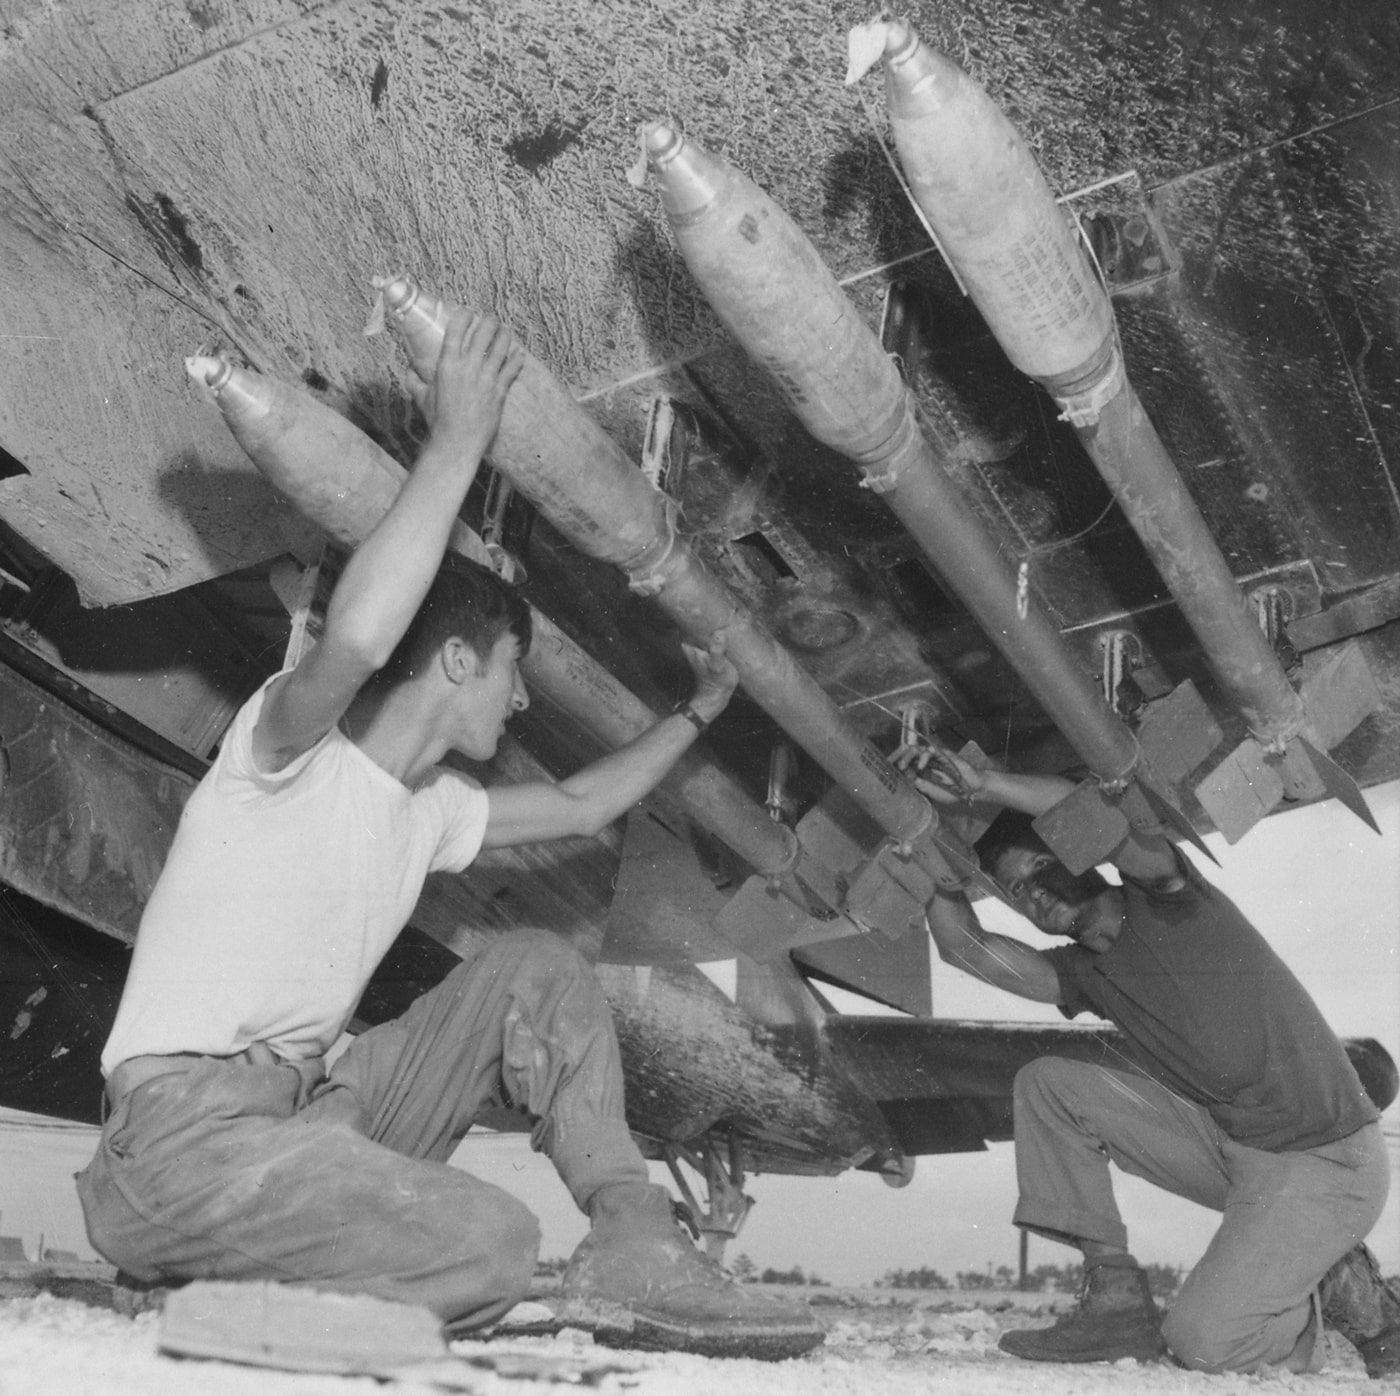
1145 857
388 575
589 800
1003 961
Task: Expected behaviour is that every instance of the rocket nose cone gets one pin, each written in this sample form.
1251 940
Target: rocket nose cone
210 370
900 40
399 293
662 143
689 177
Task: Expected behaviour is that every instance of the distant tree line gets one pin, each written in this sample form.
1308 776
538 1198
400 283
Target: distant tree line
1164 1280
923 1278
743 1268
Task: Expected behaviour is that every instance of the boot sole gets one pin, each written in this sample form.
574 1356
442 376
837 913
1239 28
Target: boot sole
266 1324
1142 1352
616 1326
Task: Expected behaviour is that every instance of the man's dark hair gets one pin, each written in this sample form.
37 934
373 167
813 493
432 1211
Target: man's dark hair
465 600
1012 828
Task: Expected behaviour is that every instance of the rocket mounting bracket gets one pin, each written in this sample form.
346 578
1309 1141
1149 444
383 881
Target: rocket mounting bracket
720 1162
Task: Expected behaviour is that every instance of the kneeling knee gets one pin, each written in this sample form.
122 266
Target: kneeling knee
545 953
1197 1343
493 1271
1045 1078
513 1247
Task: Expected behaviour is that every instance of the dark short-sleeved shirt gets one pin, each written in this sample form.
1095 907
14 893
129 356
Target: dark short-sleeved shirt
1211 1012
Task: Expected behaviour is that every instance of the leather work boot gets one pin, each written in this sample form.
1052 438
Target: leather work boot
636 1281
1115 1317
1364 1309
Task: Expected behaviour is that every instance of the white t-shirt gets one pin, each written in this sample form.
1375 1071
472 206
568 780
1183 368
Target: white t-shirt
280 896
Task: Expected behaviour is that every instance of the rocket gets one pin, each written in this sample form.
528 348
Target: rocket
1016 254
336 476
980 190
556 455
311 455
770 288
343 481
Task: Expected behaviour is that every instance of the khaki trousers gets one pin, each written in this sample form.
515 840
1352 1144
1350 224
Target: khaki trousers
226 1170
1287 1217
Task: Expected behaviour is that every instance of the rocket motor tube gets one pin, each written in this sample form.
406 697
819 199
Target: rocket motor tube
575 682
333 474
980 188
576 475
1132 459
935 515
771 289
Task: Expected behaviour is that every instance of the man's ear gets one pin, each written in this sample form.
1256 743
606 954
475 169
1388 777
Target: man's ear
460 660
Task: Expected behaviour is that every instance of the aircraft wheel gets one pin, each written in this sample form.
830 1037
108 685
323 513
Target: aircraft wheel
898 1172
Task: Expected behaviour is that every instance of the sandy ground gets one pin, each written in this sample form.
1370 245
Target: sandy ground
889 1342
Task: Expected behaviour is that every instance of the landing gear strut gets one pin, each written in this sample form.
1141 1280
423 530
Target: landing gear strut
720 1163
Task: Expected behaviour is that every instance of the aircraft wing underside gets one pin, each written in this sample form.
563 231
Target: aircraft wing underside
803 1098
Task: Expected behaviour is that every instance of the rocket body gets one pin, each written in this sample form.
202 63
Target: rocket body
982 192
980 188
327 468
332 473
769 286
563 461
544 440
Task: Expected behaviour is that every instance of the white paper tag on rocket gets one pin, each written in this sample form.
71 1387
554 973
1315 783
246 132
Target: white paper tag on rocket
865 46
637 170
375 324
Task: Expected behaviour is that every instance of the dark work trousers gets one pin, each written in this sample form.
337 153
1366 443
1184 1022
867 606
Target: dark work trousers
229 1170
1250 1303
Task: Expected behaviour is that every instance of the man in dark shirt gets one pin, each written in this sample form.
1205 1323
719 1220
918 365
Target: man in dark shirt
1232 1091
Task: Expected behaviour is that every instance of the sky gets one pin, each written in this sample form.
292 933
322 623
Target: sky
1320 885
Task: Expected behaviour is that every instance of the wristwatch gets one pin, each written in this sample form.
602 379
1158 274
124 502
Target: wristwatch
686 711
